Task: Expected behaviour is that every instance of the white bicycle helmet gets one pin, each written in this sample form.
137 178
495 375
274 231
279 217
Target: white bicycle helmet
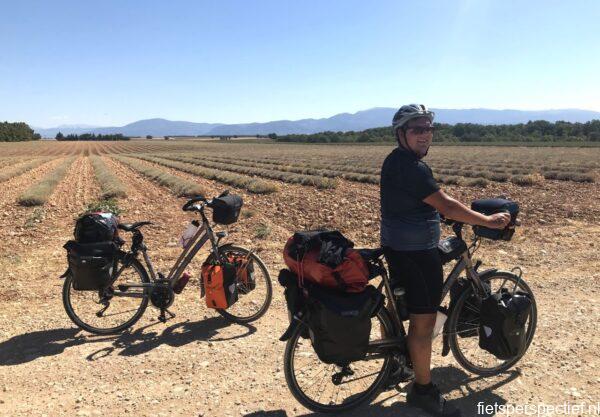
408 112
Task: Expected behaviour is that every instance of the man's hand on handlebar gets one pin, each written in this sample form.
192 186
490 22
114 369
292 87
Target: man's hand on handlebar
498 220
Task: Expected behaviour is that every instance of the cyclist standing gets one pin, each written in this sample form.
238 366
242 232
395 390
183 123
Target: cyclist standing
411 201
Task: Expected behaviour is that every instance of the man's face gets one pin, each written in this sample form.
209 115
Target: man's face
419 134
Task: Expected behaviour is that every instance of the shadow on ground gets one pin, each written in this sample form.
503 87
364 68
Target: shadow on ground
473 390
179 334
31 346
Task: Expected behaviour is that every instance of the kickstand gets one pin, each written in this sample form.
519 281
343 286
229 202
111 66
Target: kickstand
162 317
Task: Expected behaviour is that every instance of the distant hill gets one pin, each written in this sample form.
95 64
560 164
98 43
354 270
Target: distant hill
366 119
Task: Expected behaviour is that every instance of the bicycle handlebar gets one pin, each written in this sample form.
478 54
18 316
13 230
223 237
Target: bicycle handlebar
189 206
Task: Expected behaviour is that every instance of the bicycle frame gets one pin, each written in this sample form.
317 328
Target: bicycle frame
203 234
465 263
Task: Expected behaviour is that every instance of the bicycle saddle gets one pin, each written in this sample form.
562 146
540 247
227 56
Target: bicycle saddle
130 227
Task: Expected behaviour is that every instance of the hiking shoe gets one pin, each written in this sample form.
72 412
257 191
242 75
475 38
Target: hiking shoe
432 402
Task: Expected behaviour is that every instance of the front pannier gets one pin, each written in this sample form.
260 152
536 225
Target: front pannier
502 330
219 283
490 206
91 264
469 318
226 209
340 323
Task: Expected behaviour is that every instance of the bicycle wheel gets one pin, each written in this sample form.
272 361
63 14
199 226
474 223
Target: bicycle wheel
466 350
109 310
252 303
328 388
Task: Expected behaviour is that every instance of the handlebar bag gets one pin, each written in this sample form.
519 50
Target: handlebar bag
226 210
219 284
490 206
340 323
91 264
502 329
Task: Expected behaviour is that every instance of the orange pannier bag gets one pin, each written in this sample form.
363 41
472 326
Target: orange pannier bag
244 267
219 284
351 275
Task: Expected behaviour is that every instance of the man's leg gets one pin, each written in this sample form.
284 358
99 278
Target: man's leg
419 346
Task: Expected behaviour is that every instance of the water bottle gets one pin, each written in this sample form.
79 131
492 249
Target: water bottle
181 283
400 296
440 319
189 233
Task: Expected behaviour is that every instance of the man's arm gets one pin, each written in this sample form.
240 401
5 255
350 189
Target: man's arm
454 209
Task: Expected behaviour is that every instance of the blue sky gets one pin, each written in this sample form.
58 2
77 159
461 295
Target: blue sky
114 62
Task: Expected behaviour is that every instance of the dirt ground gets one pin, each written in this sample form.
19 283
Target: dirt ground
198 364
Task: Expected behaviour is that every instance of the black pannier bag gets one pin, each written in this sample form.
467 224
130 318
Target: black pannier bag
502 330
226 209
490 206
340 323
91 264
294 297
96 227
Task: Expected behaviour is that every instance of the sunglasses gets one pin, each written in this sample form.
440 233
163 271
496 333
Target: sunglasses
419 130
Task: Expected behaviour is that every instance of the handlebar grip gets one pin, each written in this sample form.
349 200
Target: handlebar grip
224 193
188 205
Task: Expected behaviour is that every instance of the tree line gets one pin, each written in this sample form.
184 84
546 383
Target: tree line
91 136
533 131
17 132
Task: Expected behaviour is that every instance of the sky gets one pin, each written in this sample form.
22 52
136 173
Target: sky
109 63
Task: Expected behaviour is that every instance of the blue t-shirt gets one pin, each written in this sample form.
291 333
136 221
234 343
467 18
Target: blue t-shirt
407 223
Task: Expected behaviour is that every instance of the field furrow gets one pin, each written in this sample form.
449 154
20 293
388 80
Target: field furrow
110 185
38 194
177 186
309 180
256 186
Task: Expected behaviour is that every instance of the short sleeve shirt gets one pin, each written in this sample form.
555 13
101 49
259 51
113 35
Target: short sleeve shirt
407 223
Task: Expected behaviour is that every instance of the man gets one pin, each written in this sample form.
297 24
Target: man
411 201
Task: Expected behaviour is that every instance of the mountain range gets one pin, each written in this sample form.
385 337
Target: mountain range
365 119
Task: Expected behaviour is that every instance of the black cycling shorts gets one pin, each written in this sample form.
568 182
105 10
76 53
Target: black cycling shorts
420 273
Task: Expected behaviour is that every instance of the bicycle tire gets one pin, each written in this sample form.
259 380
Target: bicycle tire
229 313
81 323
366 396
460 356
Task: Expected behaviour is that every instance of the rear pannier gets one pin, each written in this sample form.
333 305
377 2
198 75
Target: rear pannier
244 269
96 227
226 209
326 258
94 253
340 323
219 283
91 264
492 206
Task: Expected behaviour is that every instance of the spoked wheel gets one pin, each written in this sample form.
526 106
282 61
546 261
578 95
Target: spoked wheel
464 332
254 296
109 310
326 388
